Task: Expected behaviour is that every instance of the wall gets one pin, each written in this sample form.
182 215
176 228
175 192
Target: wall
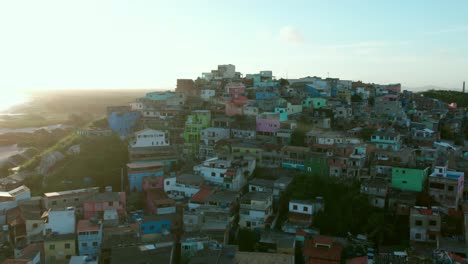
61 221
409 179
267 125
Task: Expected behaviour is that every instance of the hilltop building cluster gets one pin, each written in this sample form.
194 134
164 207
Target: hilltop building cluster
195 155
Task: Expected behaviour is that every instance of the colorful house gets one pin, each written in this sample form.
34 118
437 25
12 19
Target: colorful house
122 120
386 139
409 179
267 123
294 157
314 102
89 237
136 172
195 123
157 202
59 248
96 205
445 186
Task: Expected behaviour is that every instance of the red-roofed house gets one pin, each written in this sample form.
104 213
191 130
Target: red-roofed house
200 197
322 249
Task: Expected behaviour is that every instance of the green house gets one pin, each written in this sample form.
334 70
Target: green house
409 179
195 123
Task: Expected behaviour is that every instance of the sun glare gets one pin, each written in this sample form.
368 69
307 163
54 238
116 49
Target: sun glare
9 99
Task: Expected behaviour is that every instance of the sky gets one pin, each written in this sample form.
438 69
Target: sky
117 44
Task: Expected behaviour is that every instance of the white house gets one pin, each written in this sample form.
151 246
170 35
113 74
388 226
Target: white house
243 133
60 221
207 94
149 138
211 135
226 171
255 209
182 186
137 106
9 200
305 207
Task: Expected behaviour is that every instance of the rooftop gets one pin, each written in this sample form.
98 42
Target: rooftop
72 192
200 196
140 165
87 225
258 196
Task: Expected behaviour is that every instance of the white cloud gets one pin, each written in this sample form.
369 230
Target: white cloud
291 35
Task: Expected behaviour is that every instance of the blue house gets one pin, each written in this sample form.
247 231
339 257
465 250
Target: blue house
122 120
312 90
265 95
136 172
156 224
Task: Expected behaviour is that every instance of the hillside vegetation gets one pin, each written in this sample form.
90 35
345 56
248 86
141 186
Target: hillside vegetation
448 97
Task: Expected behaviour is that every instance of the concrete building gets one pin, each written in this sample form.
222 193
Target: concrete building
60 221
209 137
89 238
59 248
122 120
409 179
96 205
445 186
227 172
9 200
376 189
301 212
425 224
386 139
182 186
256 209
194 124
149 138
267 123
136 173
70 198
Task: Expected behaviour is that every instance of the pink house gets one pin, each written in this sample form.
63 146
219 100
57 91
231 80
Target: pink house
153 182
157 202
233 109
394 87
100 202
267 123
235 89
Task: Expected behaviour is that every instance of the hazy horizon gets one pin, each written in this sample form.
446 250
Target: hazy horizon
88 44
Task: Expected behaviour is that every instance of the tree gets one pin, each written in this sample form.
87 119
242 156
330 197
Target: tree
283 82
298 138
356 98
247 239
371 101
366 133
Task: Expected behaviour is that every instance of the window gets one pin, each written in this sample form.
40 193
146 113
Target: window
111 203
404 182
433 222
167 183
213 174
417 236
418 222
295 207
450 188
84 244
305 209
77 199
151 228
52 246
67 245
34 225
54 202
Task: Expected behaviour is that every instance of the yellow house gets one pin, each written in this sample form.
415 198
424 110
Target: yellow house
59 248
245 148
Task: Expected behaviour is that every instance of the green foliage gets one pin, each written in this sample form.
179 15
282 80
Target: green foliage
366 133
298 138
371 101
448 97
283 82
356 98
446 133
100 158
346 210
247 239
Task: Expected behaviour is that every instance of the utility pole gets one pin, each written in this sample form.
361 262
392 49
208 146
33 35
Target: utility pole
121 179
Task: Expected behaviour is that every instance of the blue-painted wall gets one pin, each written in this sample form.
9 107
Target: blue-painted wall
123 122
155 226
136 179
265 95
312 91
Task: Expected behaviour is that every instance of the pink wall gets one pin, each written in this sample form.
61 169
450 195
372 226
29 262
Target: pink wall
233 109
267 125
94 208
148 182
